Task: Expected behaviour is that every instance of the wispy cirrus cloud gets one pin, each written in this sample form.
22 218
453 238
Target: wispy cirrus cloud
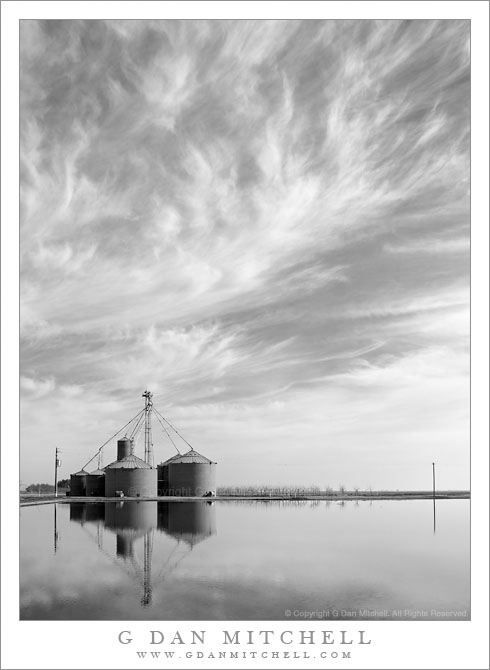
255 218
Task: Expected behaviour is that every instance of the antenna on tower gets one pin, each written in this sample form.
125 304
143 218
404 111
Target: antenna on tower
147 395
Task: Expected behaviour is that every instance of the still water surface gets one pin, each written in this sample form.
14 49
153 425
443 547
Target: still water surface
245 561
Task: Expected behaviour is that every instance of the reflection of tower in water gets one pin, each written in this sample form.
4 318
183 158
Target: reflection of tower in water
131 521
186 522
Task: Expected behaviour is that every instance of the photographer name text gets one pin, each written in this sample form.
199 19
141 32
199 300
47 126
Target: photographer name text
229 640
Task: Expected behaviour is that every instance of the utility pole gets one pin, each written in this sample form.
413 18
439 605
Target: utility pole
57 463
434 494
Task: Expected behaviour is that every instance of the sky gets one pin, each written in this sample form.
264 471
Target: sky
265 223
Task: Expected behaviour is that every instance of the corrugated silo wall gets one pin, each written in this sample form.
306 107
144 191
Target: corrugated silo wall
191 479
77 485
137 482
163 483
95 485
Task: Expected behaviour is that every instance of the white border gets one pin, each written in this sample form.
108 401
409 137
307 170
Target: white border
395 644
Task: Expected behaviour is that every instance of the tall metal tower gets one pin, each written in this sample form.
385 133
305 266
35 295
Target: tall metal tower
147 395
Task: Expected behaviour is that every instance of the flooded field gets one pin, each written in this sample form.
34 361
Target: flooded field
363 560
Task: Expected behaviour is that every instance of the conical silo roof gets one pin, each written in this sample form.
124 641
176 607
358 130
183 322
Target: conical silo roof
171 459
191 456
130 462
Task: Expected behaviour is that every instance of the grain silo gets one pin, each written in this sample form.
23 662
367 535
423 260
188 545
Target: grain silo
95 483
130 474
77 483
189 474
163 482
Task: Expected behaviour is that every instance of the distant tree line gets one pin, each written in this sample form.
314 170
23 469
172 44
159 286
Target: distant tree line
303 491
40 488
47 488
293 491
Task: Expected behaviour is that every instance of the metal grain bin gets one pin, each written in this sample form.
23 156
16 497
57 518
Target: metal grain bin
191 474
131 475
124 448
163 482
95 483
77 483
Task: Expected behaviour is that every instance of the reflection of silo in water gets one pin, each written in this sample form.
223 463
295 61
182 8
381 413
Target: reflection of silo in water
94 511
131 520
86 512
131 516
124 545
77 512
191 522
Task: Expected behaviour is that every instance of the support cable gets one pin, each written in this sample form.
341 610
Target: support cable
167 433
111 438
173 428
137 428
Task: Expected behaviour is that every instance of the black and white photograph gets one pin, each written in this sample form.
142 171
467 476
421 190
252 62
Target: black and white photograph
244 347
